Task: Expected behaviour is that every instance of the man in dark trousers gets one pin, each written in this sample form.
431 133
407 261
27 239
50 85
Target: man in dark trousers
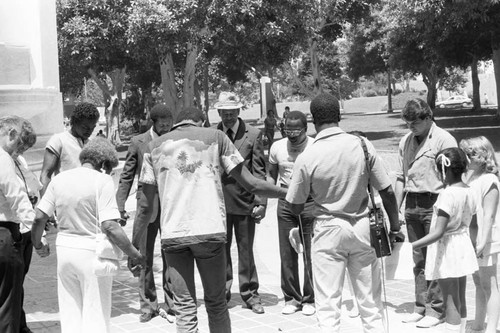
243 209
162 123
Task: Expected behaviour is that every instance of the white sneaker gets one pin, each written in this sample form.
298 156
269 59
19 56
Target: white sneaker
308 309
412 317
290 309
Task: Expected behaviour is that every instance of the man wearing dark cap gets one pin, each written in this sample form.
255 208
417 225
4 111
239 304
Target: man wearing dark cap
184 168
333 172
161 116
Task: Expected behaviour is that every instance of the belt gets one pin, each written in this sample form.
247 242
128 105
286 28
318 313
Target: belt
422 194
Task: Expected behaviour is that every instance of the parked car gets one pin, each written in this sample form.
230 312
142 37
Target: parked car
455 101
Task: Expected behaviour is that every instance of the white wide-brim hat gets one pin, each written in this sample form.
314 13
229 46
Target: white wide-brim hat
227 101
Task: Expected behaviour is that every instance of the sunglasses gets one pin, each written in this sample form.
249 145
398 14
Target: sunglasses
293 133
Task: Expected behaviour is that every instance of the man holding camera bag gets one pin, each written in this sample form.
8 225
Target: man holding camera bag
333 171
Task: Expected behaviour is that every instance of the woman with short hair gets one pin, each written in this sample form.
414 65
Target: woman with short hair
84 199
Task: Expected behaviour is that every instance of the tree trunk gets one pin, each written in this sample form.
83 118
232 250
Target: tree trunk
496 64
315 67
205 92
431 81
476 99
189 75
389 92
167 71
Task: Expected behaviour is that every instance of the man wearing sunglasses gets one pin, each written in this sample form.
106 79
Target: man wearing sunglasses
282 158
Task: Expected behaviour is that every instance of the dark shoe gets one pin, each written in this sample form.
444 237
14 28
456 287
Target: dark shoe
257 308
25 329
145 317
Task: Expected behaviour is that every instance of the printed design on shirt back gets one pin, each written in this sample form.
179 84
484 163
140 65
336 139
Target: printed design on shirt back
183 166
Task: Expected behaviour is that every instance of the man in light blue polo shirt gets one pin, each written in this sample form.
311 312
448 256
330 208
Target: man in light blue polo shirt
333 172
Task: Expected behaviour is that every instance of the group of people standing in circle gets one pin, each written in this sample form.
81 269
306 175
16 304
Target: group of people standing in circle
450 192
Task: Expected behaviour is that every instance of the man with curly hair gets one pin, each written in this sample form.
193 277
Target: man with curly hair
62 149
161 116
333 172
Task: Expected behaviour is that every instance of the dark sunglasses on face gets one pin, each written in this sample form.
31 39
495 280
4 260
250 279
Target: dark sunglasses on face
293 133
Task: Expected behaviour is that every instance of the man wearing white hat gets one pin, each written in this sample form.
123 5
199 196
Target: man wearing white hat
243 209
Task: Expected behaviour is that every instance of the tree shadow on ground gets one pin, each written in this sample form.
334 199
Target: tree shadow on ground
469 122
374 136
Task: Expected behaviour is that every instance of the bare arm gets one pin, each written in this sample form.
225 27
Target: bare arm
273 172
438 232
254 185
38 227
391 207
399 192
50 163
115 233
490 203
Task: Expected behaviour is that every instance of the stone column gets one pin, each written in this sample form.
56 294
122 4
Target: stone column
29 69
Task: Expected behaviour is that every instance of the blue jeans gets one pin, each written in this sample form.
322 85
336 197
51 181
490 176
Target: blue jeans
418 216
290 259
210 259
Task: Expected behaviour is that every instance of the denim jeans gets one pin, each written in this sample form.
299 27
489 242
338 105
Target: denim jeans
289 258
418 216
337 244
210 259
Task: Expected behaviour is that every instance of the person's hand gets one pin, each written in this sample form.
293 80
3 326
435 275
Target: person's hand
258 213
480 250
43 250
295 241
396 238
124 215
51 222
136 265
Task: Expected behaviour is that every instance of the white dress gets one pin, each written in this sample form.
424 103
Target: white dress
453 255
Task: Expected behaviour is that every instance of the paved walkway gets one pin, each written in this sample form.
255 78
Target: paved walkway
42 309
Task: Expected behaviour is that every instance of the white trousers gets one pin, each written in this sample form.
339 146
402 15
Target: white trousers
338 245
84 299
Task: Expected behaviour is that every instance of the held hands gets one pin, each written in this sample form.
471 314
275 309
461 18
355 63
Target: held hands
123 218
44 249
480 250
258 213
295 241
136 265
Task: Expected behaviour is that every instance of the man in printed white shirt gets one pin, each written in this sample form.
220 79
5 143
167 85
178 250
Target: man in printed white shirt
15 208
184 168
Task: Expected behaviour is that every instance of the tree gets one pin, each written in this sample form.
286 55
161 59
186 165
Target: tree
92 35
183 34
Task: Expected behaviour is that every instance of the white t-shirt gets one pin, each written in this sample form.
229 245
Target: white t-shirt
284 155
67 148
480 187
73 195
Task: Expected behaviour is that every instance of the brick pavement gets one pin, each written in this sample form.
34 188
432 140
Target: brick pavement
42 308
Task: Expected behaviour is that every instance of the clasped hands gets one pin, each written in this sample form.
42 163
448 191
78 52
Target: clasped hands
43 250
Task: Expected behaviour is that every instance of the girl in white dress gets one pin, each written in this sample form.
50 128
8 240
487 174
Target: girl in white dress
450 253
482 177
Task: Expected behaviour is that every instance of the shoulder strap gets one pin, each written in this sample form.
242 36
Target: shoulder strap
367 163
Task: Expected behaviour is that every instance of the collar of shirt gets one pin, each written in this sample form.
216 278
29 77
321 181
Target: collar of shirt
234 128
328 132
153 133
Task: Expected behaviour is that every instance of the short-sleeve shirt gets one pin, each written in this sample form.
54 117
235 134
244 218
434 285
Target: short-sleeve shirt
73 195
333 171
283 154
416 161
459 203
186 165
480 187
67 148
